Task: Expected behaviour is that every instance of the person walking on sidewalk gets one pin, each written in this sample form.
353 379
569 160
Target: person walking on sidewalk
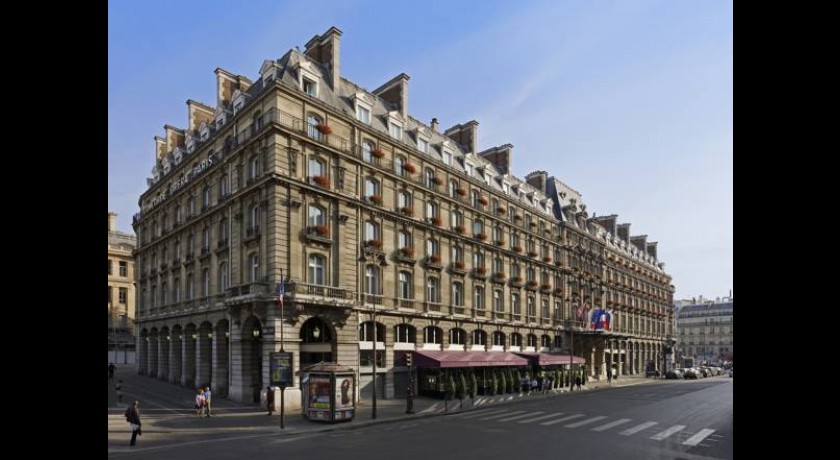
269 399
199 402
111 369
118 387
132 416
577 382
609 374
207 395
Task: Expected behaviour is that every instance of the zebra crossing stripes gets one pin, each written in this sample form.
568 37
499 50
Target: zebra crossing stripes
503 414
697 438
556 414
665 433
517 417
560 420
620 421
637 428
585 422
483 413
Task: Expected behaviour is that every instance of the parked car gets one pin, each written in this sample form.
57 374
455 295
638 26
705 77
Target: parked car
731 371
673 374
691 373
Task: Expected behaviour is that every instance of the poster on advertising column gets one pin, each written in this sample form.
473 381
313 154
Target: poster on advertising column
280 369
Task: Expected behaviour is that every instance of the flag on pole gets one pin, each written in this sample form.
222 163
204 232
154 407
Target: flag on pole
281 291
581 313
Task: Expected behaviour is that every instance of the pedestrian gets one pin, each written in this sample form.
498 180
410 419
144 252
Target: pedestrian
207 395
118 387
199 402
111 369
609 375
577 382
269 399
132 416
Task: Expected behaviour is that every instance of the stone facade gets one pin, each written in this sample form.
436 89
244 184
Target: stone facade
121 295
705 332
369 216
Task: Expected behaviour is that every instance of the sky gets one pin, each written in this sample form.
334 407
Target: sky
627 102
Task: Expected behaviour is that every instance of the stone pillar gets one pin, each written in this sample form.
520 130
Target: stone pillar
153 357
163 358
175 349
220 365
202 360
237 390
622 355
143 356
188 361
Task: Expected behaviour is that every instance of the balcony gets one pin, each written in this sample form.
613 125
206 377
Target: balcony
222 245
252 233
516 281
499 277
433 263
205 251
406 255
531 285
318 234
479 273
321 295
431 307
458 268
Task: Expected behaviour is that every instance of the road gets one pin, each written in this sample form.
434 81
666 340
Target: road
680 420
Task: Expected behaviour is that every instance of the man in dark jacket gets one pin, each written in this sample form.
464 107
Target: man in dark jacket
132 416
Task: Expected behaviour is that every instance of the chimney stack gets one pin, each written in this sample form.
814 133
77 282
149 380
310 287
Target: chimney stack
112 221
325 49
434 125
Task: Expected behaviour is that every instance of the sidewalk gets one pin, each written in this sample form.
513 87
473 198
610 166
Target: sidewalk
177 425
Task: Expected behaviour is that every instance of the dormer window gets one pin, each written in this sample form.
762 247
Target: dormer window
205 132
237 107
447 157
422 145
310 87
395 130
362 113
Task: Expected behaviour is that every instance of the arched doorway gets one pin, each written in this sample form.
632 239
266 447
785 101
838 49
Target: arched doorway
153 352
188 358
143 351
176 358
252 359
163 358
221 371
316 342
204 352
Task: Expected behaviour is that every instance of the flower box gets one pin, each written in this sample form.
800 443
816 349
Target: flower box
516 280
376 199
500 242
499 275
517 217
323 181
545 287
320 230
483 201
410 168
374 244
461 192
378 152
546 259
434 259
501 210
481 236
459 265
437 221
408 211
437 181
460 229
481 271
532 254
532 284
517 248
324 129
407 251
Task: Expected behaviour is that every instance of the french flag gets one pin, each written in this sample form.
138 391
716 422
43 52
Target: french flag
281 291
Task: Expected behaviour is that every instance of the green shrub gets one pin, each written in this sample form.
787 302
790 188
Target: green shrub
462 386
473 385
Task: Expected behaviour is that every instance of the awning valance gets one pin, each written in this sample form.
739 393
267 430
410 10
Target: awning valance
454 358
549 359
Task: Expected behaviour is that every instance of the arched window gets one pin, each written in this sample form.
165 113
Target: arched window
404 202
253 168
254 217
433 290
405 333
532 340
545 341
316 269
453 188
223 232
457 254
366 331
432 210
372 190
176 290
312 123
478 227
498 339
205 240
558 342
532 309
372 280
404 286
479 337
256 122
516 340
514 303
254 267
475 198
457 336
432 334
432 247
544 308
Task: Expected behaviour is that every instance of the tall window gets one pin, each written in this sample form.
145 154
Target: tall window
479 337
224 276
458 294
176 291
532 340
363 114
478 227
432 334
475 198
123 294
453 188
395 130
399 165
316 269
478 298
516 340
514 303
457 336
316 167
498 302
498 265
367 151
532 309
404 285
191 206
544 308
190 287
478 259
432 210
372 280
223 232
253 167
254 266
432 247
316 216
371 231
313 121
405 334
457 219
531 274
498 339
254 217
514 240
457 254
433 290
422 145
123 269
372 188
404 200
404 240
205 282
205 238
429 178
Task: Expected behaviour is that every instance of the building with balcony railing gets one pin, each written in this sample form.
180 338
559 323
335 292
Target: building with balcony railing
385 227
121 296
705 331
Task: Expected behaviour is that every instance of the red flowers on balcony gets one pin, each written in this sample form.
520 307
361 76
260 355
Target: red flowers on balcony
517 249
483 201
532 284
516 280
517 217
376 199
374 244
324 128
481 271
499 275
500 242
407 251
323 181
546 259
437 180
460 229
545 287
461 192
407 211
532 254
320 230
410 168
435 259
481 236
458 265
437 221
378 152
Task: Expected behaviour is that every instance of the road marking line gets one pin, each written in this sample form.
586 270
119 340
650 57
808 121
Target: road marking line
664 434
561 419
585 422
483 413
620 421
541 418
502 415
637 428
520 416
694 440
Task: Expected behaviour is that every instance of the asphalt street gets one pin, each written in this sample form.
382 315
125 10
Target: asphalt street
689 420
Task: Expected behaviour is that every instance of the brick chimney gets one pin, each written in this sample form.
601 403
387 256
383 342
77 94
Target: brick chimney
395 91
325 49
465 135
112 221
435 125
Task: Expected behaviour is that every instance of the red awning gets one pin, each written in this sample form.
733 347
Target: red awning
441 359
549 359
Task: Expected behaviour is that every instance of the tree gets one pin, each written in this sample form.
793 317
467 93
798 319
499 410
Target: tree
517 382
473 385
502 383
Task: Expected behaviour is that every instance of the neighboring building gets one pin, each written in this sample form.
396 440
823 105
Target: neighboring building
121 296
376 219
705 331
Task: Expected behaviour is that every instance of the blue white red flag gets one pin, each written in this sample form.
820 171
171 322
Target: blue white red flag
281 291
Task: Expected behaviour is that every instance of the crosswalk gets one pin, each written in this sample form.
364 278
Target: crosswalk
598 423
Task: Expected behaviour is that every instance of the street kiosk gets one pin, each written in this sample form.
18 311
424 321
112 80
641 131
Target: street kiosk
328 392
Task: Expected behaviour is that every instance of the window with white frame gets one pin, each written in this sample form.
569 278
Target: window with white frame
190 287
458 294
399 165
371 231
367 151
372 280
317 263
404 239
447 157
404 285
457 254
432 210
405 333
253 167
457 219
362 113
498 339
532 309
457 336
432 334
224 276
433 289
316 167
372 189
544 309
478 298
475 198
310 87
316 216
395 130
254 265
404 200
313 123
432 247
453 188
422 145
479 337
429 178
516 339
514 303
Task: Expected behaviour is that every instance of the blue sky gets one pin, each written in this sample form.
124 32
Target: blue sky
628 102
